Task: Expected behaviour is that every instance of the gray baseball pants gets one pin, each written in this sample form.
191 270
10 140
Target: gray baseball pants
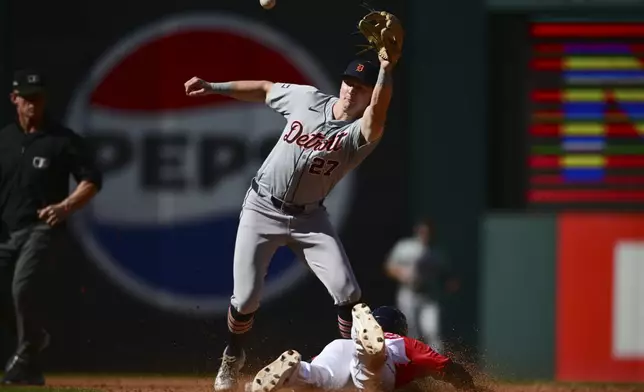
263 228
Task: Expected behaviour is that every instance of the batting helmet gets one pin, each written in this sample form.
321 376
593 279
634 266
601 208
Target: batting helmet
391 320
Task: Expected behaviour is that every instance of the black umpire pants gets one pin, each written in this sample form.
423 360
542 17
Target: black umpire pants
26 263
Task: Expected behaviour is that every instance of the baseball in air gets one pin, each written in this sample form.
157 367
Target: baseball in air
267 4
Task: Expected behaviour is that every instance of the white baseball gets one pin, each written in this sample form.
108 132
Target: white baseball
267 4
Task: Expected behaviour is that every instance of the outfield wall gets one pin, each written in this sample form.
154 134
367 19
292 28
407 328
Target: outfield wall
562 296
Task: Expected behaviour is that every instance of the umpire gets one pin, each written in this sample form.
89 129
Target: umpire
37 157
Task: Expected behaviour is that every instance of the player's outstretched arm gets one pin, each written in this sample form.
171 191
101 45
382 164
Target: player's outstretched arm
243 90
436 365
375 116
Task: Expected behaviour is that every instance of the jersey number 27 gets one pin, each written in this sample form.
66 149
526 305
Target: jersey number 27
323 166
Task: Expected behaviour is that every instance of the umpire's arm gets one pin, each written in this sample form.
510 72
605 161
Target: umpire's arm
83 167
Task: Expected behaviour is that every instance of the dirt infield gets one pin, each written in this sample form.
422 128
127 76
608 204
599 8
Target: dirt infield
186 384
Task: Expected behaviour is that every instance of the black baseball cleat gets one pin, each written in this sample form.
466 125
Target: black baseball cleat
24 368
21 372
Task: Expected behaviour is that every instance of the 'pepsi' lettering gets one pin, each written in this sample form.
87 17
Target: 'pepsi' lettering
177 170
162 165
164 159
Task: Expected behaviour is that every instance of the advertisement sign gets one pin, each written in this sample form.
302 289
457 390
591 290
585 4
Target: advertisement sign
600 298
178 168
539 5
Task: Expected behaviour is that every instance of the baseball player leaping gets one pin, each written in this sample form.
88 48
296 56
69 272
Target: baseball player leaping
325 137
380 357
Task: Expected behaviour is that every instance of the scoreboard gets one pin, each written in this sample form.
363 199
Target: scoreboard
585 114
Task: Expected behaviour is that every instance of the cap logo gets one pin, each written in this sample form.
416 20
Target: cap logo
32 78
360 68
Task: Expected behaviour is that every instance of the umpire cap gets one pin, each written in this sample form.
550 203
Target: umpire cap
28 82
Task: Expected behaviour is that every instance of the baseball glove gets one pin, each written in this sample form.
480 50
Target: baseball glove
385 34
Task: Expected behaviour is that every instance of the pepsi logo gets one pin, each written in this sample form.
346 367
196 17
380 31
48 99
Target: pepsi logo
177 168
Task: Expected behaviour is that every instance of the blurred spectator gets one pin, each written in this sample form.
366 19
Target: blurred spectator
424 277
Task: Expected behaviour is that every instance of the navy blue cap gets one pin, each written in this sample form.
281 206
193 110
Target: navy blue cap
363 70
28 82
391 319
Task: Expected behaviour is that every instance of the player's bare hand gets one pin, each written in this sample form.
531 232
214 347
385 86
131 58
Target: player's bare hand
197 87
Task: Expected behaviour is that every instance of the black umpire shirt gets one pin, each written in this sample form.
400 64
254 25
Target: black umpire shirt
35 170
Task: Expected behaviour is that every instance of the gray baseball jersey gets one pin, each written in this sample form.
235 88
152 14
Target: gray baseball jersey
313 153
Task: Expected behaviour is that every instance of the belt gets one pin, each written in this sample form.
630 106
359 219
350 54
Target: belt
291 209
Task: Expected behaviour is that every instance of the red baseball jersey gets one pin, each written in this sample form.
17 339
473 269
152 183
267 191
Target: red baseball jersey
413 359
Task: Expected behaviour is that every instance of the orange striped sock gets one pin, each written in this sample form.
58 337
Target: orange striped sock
238 326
